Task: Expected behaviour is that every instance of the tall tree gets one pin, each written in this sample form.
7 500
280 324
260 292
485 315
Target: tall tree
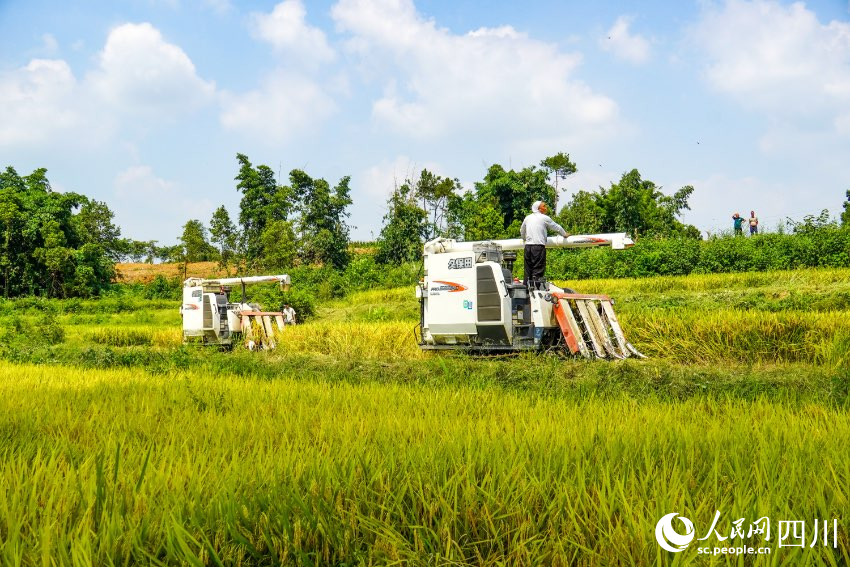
278 240
583 214
483 218
434 192
263 201
405 227
223 232
845 213
44 247
561 167
196 247
321 221
514 192
632 205
95 226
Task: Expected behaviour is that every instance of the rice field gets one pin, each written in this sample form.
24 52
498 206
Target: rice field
349 446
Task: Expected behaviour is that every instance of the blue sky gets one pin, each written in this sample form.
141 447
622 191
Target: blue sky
145 103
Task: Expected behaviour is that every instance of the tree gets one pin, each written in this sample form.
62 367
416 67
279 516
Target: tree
632 205
223 232
583 214
514 192
278 241
812 224
405 227
845 214
94 224
196 247
475 217
434 192
321 222
139 250
46 249
263 201
561 167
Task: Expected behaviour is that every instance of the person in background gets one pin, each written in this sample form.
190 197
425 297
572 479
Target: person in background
288 314
534 231
754 223
738 223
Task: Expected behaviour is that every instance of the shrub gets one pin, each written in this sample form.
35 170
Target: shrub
48 330
163 288
827 247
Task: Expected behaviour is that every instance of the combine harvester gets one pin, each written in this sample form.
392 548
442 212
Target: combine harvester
211 319
470 301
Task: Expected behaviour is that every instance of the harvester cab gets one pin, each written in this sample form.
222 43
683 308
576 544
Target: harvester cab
469 300
210 318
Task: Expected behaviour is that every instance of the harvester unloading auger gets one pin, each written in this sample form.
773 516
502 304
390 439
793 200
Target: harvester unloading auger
470 301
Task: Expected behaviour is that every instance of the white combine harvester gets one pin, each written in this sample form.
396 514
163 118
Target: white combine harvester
211 319
471 301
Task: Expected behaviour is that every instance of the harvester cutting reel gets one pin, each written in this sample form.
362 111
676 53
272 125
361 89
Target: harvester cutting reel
590 326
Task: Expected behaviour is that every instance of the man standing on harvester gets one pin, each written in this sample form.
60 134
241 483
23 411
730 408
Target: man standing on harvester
534 232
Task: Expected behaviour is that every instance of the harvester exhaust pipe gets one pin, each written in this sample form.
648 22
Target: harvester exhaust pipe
590 326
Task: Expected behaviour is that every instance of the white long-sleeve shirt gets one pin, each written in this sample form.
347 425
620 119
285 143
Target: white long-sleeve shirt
534 228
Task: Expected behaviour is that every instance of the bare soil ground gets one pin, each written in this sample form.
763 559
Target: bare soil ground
144 273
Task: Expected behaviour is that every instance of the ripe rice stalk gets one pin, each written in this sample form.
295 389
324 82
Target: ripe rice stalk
402 472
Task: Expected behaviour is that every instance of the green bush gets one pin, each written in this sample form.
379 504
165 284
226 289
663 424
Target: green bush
48 330
827 247
163 288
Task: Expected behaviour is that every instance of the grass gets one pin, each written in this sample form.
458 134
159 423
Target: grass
348 445
193 468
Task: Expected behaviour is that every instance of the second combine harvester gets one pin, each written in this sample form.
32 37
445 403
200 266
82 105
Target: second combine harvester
470 301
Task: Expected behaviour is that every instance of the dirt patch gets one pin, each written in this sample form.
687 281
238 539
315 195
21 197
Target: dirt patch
144 273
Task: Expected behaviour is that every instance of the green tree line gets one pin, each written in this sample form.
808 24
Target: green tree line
65 244
429 206
53 244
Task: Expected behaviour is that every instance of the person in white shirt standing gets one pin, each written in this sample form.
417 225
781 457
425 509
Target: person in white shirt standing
288 314
534 232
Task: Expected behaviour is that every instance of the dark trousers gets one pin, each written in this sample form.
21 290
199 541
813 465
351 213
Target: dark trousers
535 264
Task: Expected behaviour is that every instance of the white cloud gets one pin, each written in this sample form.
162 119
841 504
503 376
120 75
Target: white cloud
619 41
777 58
285 28
142 73
784 66
379 180
140 181
36 102
141 195
290 102
491 83
139 75
286 106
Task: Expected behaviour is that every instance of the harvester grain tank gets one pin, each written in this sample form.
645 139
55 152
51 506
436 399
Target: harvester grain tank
209 317
470 301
